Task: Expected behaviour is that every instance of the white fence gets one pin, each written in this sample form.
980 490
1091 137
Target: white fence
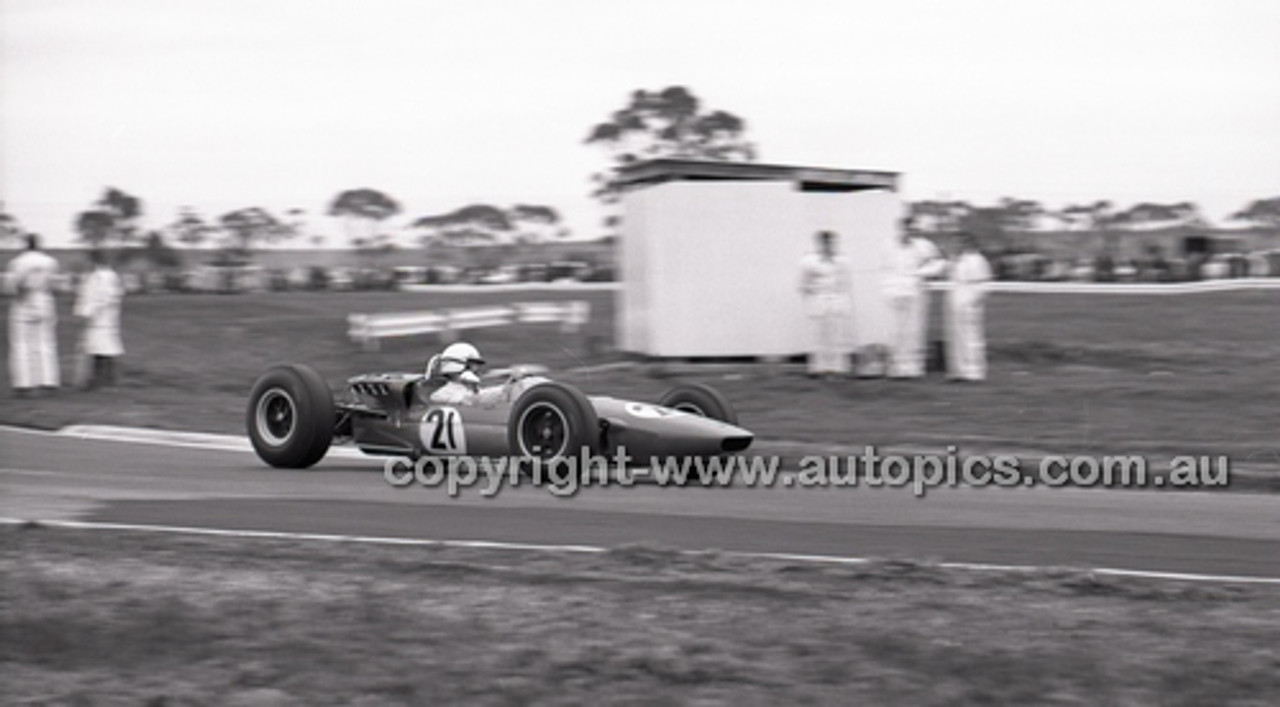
565 286
1127 288
369 329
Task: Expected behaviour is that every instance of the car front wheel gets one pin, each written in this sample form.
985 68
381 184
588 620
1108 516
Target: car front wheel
552 421
290 416
699 399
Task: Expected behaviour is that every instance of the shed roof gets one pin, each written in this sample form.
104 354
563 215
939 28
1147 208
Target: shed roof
808 178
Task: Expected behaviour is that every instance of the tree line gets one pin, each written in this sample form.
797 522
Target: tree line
361 212
1011 223
672 123
667 123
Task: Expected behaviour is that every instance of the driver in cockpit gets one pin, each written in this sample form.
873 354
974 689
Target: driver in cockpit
459 365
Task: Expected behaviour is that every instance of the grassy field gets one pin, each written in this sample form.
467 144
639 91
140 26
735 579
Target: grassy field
1160 375
147 619
130 618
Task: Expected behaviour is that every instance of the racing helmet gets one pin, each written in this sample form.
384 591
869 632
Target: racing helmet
459 357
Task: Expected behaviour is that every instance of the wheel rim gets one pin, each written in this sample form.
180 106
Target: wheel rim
543 431
690 408
277 416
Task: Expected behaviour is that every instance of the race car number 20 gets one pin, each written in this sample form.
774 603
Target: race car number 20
442 431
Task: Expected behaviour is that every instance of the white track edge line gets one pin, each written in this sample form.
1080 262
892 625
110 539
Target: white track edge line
584 549
204 441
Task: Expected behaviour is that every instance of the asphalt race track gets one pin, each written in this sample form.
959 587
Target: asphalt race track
46 476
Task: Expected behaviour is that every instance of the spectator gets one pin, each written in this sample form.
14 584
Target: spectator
1195 265
1215 268
33 320
1103 267
966 335
915 260
99 303
1040 269
1152 267
824 284
1258 264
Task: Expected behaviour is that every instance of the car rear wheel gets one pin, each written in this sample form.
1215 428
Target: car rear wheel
699 399
290 416
552 421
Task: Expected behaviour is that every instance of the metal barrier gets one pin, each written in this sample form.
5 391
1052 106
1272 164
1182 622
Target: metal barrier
479 317
530 287
369 329
570 315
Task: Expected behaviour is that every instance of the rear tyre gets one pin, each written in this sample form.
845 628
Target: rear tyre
552 421
290 416
699 399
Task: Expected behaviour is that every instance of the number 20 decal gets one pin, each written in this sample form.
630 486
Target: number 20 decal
441 431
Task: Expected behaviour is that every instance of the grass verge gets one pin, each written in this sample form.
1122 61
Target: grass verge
1072 374
144 618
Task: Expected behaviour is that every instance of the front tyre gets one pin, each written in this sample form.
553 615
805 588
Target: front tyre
290 416
699 399
704 401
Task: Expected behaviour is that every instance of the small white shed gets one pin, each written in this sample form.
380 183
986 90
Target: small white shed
710 254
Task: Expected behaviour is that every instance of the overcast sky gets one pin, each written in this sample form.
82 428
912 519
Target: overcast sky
283 103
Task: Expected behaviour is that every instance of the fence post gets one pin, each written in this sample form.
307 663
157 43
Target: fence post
574 315
358 328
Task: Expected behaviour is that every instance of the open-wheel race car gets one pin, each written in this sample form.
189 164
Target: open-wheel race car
293 417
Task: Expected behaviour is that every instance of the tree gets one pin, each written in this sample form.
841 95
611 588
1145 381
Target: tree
297 222
160 253
1264 213
252 225
153 251
1019 218
1098 216
667 123
1001 227
361 210
10 229
1021 215
477 224
112 217
988 224
124 210
191 229
1149 216
938 216
485 224
535 224
95 227
371 246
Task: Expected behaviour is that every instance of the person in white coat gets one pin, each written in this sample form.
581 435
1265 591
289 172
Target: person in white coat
99 303
824 284
33 320
966 307
912 263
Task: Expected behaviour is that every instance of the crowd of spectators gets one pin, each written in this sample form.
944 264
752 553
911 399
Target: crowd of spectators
1152 267
140 277
144 278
